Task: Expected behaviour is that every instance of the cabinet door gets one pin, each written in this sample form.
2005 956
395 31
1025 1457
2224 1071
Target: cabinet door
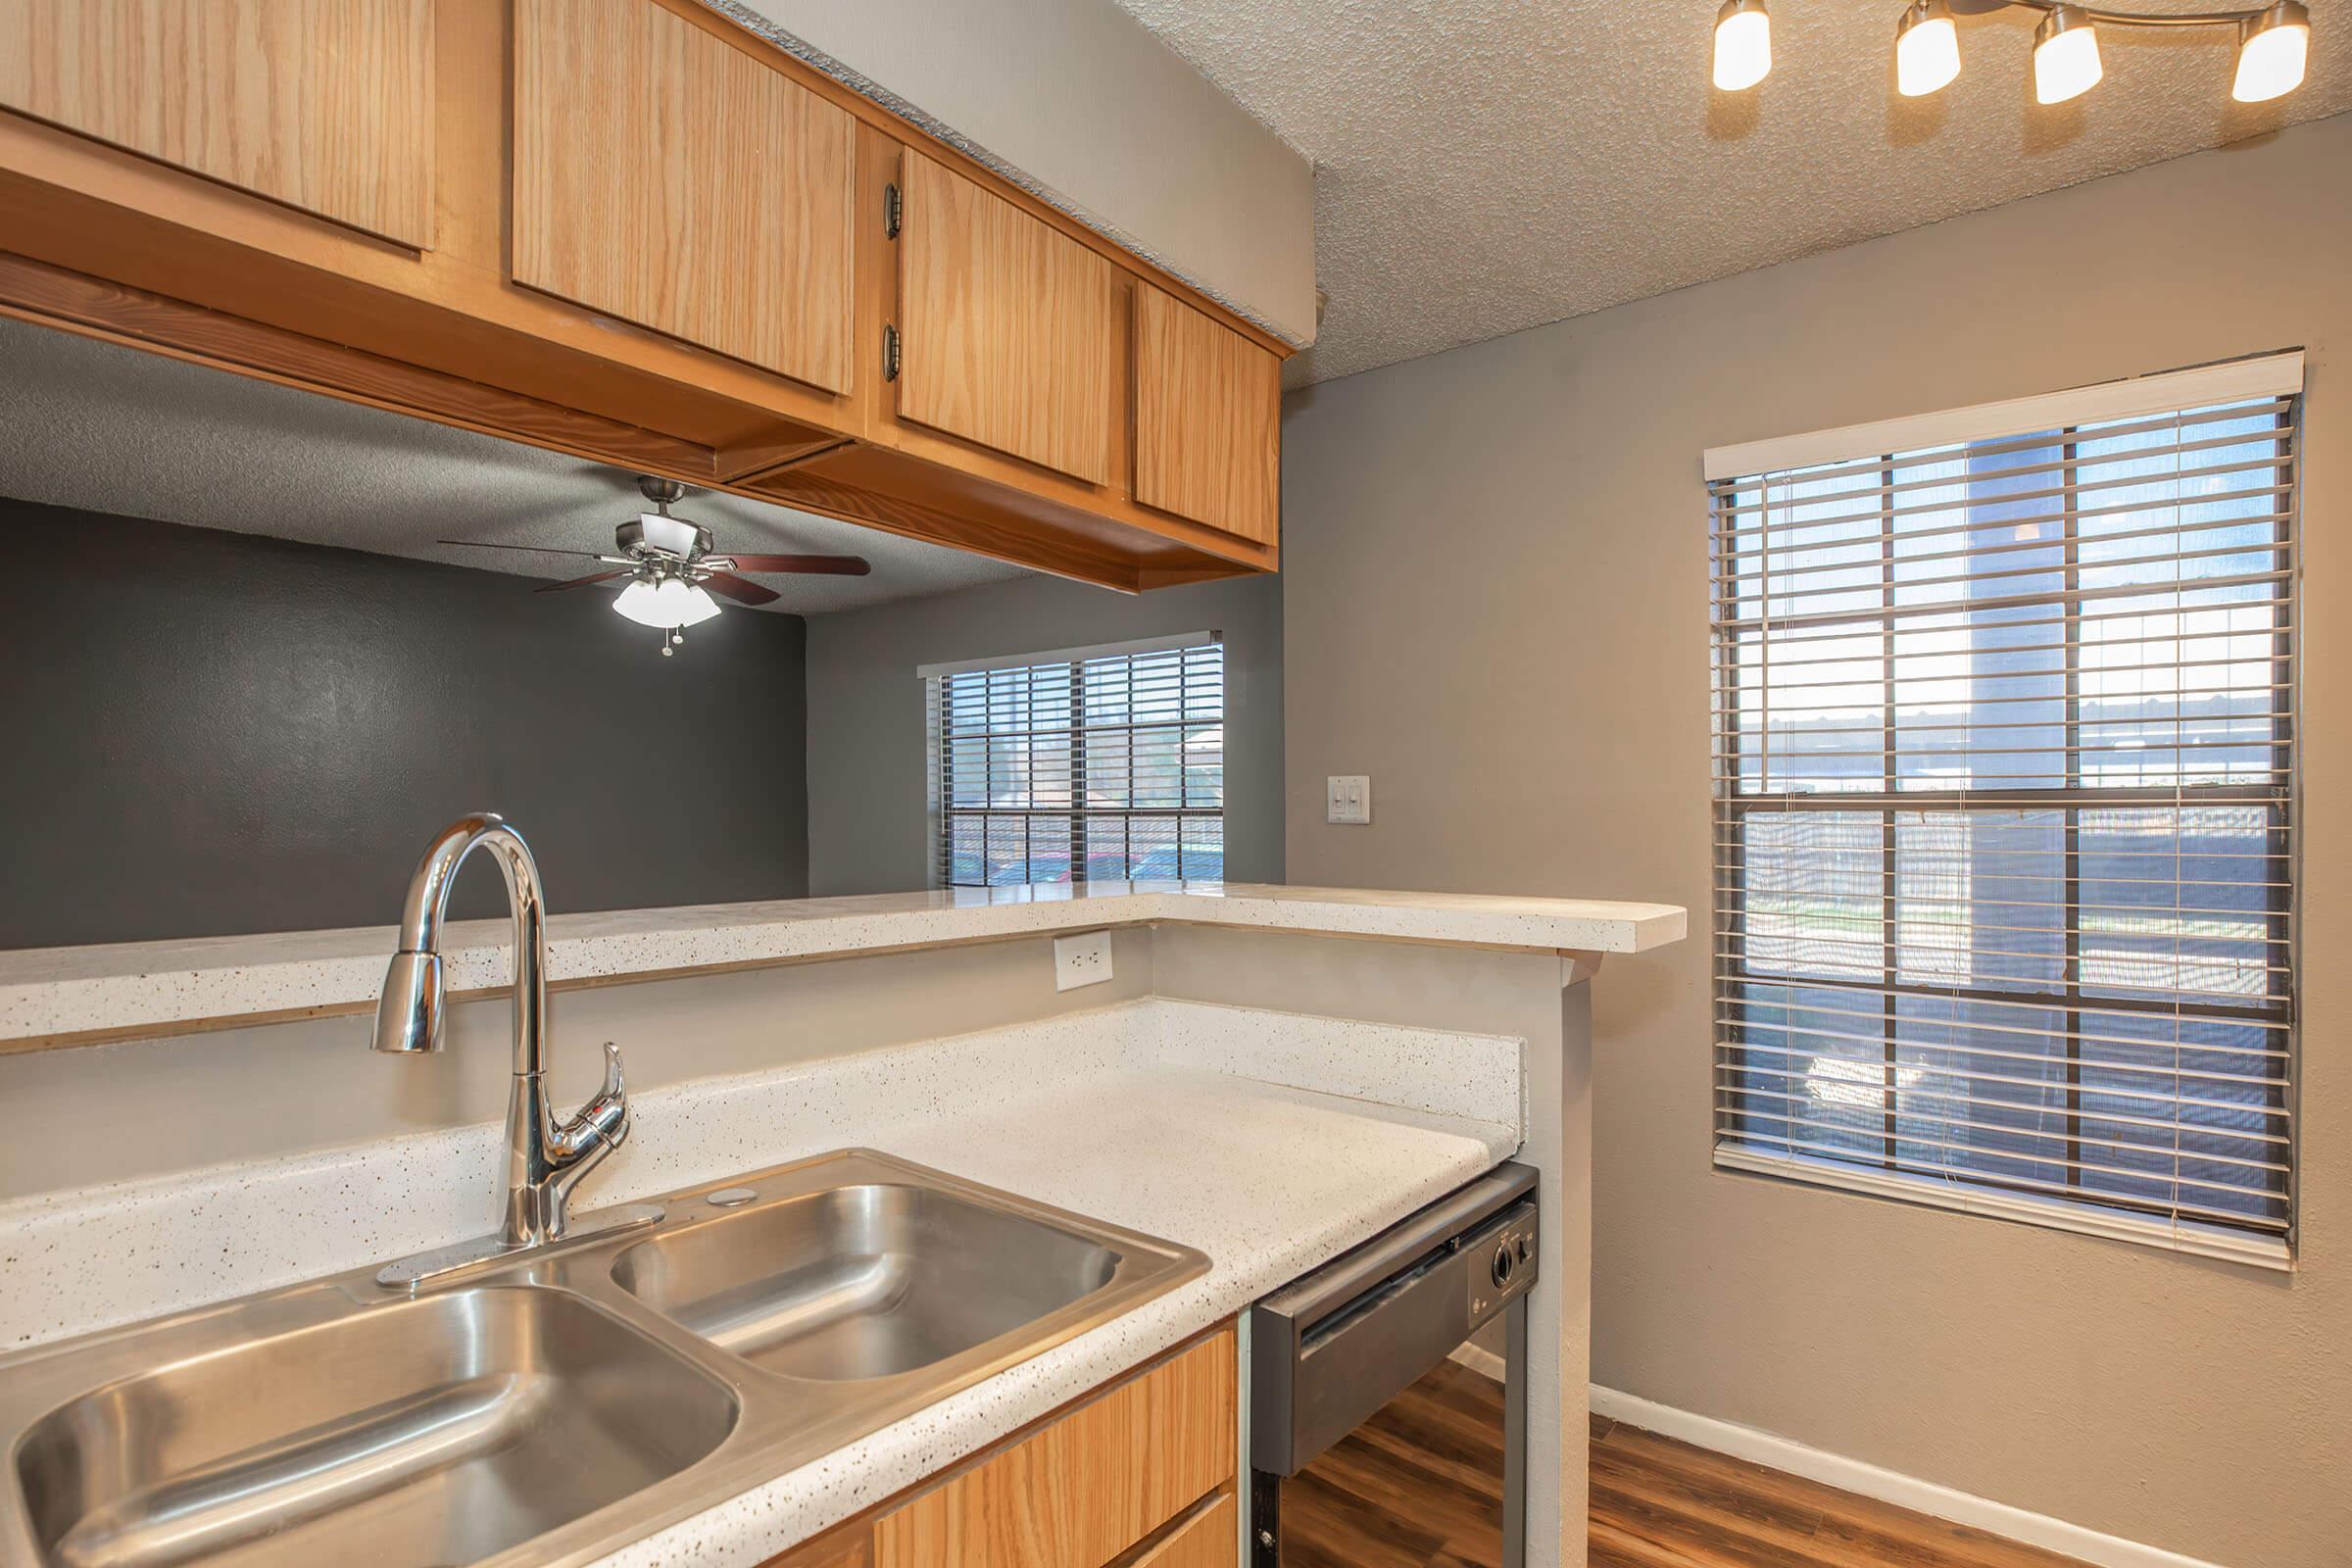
323 105
1208 420
1208 1538
1088 1487
1010 332
664 177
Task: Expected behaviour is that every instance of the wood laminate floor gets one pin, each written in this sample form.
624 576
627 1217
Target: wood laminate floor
1419 1487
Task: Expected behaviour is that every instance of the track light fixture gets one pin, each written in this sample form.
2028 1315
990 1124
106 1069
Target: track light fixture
2272 48
2273 45
1927 48
1743 44
2066 55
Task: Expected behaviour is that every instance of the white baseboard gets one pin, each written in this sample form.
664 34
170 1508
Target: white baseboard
1887 1486
1486 1364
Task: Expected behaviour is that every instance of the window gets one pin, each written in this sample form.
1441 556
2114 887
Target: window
2005 814
1090 765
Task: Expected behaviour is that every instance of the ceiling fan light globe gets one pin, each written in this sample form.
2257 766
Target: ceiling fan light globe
1927 49
639 603
669 605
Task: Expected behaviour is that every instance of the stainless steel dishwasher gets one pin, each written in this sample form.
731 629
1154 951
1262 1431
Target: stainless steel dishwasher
1388 1391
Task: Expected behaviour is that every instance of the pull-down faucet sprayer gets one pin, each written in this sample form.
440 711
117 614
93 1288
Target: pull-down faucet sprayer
545 1159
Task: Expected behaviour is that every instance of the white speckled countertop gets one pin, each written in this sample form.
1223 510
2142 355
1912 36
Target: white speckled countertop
1270 1141
61 993
1193 1159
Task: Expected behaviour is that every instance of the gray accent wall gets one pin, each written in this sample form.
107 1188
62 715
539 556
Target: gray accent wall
1495 603
213 733
868 795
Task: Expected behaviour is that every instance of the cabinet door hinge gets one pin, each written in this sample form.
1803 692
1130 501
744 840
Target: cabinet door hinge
894 209
890 353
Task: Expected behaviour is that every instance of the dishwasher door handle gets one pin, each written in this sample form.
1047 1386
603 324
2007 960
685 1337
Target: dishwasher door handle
1312 1297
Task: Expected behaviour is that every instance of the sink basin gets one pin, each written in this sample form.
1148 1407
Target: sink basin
435 1431
542 1408
866 1280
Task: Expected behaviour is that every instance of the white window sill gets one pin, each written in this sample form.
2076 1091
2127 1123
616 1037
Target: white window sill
2051 1214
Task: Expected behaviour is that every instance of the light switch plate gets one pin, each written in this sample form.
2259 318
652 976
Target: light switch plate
1081 961
1347 799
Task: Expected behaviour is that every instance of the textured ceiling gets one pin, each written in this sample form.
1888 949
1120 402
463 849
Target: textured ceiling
113 429
1486 166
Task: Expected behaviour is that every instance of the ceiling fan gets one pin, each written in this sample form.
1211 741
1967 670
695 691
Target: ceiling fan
672 570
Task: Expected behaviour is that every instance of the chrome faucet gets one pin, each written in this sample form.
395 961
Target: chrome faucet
545 1159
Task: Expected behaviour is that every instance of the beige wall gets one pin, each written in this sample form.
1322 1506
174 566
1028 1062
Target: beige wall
285 1089
1495 605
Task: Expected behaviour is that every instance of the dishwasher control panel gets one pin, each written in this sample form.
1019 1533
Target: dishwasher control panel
1502 1261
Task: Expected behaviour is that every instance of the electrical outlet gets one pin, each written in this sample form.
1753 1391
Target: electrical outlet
1081 961
1347 799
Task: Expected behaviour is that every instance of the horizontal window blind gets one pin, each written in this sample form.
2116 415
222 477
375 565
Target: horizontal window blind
1104 767
2005 824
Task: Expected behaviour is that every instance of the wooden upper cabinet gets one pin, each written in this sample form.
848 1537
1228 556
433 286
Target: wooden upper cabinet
639 233
665 177
1013 335
322 105
1208 420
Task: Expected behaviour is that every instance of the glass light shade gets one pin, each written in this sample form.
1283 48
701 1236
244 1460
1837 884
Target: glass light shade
2066 55
1927 49
669 605
1742 45
2272 51
636 602
684 604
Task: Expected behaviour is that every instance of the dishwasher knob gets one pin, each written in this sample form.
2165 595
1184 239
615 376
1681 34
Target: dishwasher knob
1505 1265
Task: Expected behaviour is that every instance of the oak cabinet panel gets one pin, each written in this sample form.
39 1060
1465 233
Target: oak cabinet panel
1208 1539
1208 420
635 232
1078 1492
322 105
665 177
1013 334
851 1547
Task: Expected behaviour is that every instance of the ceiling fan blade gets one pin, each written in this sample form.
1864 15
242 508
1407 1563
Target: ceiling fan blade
537 550
737 589
580 582
821 565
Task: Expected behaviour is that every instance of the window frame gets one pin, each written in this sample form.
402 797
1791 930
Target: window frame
1893 444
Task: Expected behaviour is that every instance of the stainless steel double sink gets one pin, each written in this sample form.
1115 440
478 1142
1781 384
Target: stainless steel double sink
550 1407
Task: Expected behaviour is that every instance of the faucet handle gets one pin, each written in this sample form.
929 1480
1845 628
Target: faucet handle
582 1144
604 1120
608 1115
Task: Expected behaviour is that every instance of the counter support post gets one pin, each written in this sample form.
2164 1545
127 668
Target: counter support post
1559 1144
